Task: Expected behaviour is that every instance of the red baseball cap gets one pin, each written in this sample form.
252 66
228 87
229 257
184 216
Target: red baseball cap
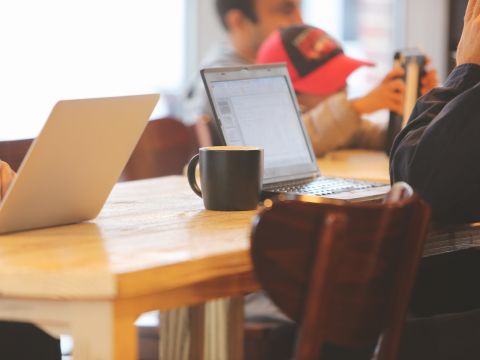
316 62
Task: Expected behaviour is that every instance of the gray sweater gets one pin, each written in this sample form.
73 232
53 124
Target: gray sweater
334 124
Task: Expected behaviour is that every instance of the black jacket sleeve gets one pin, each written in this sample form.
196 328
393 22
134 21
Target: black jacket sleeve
438 152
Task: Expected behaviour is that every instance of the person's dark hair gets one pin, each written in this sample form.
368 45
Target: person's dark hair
247 7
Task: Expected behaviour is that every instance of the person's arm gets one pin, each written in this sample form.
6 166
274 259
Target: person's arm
334 124
389 94
369 135
331 124
6 177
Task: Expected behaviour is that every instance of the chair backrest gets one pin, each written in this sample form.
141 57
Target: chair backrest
13 151
165 148
207 132
343 271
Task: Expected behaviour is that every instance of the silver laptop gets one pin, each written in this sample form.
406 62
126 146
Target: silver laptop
256 105
73 164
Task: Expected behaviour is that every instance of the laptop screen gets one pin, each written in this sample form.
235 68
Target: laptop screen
261 111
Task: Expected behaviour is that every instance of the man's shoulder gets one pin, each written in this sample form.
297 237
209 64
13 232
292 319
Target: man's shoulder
464 77
196 103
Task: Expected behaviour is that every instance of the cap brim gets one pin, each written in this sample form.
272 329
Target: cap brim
329 78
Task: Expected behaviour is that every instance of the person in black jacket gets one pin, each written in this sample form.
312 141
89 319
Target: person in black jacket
438 152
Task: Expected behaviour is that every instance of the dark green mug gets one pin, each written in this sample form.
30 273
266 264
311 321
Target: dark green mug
230 176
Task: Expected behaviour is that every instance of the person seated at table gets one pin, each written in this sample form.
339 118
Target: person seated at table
319 70
438 153
21 341
246 23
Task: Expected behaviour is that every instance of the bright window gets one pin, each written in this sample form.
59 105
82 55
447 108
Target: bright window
366 30
64 49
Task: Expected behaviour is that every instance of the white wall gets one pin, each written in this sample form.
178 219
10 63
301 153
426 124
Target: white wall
205 30
421 23
425 25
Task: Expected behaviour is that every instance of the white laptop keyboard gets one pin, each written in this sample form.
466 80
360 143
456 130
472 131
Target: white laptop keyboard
321 186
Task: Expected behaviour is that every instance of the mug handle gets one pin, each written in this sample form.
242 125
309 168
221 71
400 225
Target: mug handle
192 179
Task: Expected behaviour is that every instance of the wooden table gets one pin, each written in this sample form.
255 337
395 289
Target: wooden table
356 164
152 247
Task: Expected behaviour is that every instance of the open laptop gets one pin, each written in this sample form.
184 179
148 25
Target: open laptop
73 164
256 106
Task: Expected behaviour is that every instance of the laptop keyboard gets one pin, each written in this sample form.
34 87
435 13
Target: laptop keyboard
323 186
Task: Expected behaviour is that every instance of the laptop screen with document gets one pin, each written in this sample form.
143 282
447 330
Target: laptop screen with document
255 106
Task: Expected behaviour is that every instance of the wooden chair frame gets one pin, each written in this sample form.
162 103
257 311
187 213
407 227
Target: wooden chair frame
301 253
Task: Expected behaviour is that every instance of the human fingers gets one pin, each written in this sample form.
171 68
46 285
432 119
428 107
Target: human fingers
392 101
429 81
397 85
431 76
396 72
395 106
469 13
396 97
476 9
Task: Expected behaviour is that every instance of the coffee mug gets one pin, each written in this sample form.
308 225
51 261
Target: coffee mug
231 177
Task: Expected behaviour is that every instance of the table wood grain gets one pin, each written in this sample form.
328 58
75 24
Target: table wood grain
153 247
356 164
152 235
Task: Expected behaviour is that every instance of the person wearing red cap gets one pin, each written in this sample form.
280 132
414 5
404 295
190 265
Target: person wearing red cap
319 69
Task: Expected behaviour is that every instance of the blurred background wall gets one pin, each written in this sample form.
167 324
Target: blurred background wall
56 49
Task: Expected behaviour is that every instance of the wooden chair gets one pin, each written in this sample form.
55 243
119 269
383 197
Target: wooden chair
164 149
207 132
13 151
342 271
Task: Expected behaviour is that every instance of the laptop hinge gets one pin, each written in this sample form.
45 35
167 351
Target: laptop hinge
278 184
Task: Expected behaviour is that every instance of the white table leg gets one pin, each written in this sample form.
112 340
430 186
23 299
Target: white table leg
92 331
236 328
218 324
216 329
174 334
98 332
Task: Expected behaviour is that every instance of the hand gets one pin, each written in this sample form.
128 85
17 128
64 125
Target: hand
430 79
468 51
6 177
388 95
